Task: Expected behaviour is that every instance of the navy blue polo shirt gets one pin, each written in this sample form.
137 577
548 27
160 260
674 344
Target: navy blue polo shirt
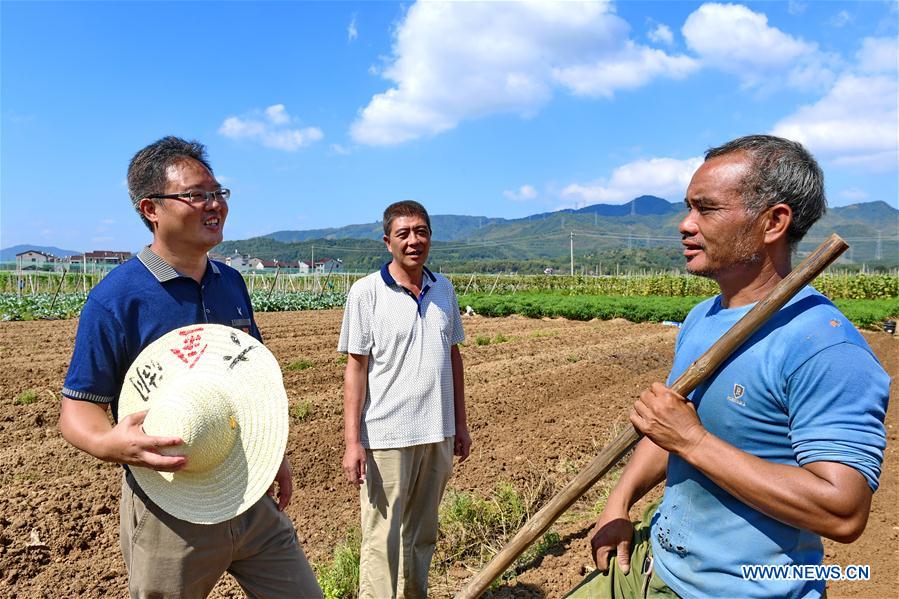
139 302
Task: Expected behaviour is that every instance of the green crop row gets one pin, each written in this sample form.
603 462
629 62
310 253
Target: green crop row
40 306
867 312
863 312
68 305
582 307
638 309
296 300
834 286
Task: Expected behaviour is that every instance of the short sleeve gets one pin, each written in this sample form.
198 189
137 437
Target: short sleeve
99 348
458 335
355 332
254 328
837 401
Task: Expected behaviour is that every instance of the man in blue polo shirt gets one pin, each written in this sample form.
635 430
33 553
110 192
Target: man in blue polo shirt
404 405
783 444
171 284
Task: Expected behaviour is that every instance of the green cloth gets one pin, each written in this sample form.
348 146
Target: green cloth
614 584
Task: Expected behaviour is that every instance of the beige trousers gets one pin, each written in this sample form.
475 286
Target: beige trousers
400 498
170 558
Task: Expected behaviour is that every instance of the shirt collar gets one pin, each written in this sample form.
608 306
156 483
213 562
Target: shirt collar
162 270
390 281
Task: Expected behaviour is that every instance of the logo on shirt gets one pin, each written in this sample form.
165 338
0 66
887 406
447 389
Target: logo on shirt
737 397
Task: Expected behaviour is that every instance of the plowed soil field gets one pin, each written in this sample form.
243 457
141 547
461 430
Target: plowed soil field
543 398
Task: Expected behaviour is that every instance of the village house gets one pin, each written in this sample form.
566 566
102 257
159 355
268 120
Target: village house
325 265
107 257
236 261
260 264
99 258
33 260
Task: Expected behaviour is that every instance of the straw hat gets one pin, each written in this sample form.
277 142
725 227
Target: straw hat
219 390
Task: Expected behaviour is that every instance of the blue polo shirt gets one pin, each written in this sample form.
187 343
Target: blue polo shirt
139 302
804 388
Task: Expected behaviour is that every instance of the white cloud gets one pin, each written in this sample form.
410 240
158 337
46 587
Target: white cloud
735 39
661 35
524 193
339 149
664 177
796 8
841 19
351 32
271 128
632 67
854 194
878 55
457 61
20 119
854 124
277 114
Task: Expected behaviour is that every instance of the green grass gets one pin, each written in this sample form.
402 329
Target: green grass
541 334
868 312
862 312
299 365
605 485
302 410
473 528
342 359
488 340
26 397
573 358
339 579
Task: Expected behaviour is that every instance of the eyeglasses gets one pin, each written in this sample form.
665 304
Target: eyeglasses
195 198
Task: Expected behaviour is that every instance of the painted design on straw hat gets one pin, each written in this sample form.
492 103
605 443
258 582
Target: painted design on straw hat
219 390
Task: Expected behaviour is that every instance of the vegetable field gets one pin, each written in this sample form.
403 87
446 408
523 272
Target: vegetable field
865 298
560 389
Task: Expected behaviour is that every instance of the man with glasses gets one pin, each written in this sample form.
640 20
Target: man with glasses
170 284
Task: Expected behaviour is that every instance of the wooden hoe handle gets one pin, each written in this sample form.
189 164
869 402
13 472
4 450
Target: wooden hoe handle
704 366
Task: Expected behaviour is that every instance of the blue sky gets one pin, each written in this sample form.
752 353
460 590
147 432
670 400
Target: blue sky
321 114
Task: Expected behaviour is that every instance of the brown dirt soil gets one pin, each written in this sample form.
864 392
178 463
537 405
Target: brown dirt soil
541 404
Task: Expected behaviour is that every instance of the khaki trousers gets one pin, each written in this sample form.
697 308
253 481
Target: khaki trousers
399 501
170 558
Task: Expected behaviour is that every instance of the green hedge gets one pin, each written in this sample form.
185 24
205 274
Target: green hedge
863 312
638 309
834 286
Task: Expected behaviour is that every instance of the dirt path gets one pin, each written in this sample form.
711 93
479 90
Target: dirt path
544 396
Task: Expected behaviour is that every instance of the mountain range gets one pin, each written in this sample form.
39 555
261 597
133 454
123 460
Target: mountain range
639 234
9 254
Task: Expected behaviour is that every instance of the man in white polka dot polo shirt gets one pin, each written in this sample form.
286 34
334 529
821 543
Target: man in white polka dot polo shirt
404 405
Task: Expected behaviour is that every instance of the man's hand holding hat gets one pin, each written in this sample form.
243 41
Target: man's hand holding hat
129 444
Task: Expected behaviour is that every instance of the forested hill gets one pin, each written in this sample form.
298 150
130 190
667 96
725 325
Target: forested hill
637 235
453 227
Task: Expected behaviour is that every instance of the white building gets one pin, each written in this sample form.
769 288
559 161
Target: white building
235 260
33 259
